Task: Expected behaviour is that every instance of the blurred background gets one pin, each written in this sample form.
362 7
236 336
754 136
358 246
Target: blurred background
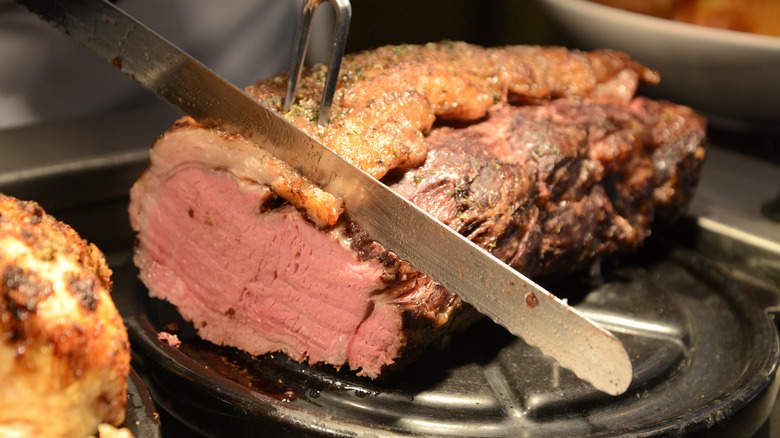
488 23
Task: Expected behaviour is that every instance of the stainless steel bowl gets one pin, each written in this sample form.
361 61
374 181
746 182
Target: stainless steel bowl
733 77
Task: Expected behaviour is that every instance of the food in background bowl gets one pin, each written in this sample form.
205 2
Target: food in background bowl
754 16
64 350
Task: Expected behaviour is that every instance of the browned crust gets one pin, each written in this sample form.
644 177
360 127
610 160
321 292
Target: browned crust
389 98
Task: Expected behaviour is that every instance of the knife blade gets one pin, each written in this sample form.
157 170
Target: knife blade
492 287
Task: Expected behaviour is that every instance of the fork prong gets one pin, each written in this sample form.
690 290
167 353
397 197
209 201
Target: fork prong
299 50
343 16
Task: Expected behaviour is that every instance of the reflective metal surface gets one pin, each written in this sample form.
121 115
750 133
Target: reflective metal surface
141 417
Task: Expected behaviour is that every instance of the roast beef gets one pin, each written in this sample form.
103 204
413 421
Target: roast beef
543 156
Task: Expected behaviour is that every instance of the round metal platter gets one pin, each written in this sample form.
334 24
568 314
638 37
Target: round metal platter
705 356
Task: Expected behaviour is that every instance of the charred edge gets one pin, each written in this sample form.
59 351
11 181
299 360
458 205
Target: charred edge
85 290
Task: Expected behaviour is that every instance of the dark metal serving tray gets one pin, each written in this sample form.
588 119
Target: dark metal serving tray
704 349
695 308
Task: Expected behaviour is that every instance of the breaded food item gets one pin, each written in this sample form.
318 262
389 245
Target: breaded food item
64 350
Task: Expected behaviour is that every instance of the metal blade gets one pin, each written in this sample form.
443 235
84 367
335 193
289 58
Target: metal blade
492 287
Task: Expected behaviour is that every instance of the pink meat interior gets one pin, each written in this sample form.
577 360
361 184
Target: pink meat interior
283 285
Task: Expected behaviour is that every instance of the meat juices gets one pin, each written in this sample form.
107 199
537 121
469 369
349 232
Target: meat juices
542 156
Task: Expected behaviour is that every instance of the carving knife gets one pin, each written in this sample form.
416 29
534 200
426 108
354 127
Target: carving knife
496 290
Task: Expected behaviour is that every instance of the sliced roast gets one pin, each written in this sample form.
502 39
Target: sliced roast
559 165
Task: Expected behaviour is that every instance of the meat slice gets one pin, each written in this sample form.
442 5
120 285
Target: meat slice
64 351
560 167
